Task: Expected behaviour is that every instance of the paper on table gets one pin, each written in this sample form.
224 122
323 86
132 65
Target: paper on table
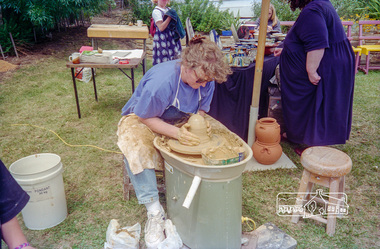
125 54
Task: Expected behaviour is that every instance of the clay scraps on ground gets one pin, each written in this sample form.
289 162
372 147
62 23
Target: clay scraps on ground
5 66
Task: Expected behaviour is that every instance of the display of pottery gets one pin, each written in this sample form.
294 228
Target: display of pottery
267 130
267 149
266 153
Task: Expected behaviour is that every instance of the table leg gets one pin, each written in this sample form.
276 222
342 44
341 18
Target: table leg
144 60
133 80
93 81
132 77
75 91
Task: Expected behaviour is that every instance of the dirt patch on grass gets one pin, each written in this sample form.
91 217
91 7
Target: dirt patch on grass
5 66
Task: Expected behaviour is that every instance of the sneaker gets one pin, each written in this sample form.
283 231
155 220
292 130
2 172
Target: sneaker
154 229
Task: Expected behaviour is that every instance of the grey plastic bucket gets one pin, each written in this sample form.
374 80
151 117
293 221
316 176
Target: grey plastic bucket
212 219
40 176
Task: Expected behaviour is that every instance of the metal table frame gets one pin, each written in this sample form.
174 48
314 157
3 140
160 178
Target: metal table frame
133 63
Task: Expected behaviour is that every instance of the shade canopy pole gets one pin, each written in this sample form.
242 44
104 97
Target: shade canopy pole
254 110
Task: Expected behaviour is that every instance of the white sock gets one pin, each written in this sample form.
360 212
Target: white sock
153 206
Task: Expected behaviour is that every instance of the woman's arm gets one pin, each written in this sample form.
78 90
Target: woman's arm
313 60
13 235
159 126
181 134
162 25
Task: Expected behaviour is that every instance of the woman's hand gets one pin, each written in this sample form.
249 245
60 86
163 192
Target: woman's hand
185 137
313 59
277 51
269 28
314 78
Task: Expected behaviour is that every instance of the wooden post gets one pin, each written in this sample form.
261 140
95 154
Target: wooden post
2 53
14 46
258 71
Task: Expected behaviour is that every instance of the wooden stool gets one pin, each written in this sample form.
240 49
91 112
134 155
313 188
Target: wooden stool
128 186
327 167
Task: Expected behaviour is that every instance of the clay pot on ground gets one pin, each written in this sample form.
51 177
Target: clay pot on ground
266 153
267 130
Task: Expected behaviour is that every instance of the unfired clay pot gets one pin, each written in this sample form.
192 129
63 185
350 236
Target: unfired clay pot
266 153
198 126
267 130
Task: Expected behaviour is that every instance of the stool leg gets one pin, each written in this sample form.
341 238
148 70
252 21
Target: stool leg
333 204
126 184
367 63
357 60
340 196
304 185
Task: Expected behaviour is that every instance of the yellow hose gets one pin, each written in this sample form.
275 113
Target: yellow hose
247 220
71 145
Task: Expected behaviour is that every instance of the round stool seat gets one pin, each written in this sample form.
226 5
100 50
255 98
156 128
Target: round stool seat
326 161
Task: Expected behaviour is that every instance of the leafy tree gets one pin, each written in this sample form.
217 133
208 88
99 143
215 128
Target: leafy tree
39 16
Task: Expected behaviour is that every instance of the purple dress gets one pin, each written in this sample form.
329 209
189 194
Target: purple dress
165 47
317 115
12 197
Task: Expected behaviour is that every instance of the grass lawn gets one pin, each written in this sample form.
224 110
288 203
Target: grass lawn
41 94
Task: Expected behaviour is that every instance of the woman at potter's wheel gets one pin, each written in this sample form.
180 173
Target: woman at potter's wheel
167 94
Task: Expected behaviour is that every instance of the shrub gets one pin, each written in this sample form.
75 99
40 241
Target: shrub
203 14
39 16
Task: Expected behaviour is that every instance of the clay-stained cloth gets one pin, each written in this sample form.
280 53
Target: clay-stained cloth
135 141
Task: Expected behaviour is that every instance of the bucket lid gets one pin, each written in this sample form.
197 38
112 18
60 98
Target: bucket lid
43 163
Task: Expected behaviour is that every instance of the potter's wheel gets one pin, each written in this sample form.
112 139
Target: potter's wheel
176 146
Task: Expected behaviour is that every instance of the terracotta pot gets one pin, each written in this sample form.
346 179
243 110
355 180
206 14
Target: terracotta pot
266 153
267 130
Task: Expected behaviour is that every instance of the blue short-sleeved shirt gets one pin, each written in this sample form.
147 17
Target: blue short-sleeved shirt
157 90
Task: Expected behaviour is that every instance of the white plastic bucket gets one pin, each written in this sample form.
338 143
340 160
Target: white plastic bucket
40 176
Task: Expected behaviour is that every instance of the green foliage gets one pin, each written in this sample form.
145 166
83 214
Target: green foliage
203 14
347 9
141 10
370 8
40 16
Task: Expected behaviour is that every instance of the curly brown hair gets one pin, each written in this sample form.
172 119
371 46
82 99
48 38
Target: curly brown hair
294 4
205 55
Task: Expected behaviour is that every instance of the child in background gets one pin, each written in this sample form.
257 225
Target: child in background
165 47
273 22
12 200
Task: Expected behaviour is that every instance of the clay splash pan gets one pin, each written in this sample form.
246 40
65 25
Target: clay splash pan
176 146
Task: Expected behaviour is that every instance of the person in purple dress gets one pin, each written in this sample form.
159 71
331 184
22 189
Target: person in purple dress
12 200
165 47
317 68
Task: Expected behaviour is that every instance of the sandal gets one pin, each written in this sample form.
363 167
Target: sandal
299 150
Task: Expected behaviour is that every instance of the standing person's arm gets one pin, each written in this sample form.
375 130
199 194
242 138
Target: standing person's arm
162 25
13 235
313 60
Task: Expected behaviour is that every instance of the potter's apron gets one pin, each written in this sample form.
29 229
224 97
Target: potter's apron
135 139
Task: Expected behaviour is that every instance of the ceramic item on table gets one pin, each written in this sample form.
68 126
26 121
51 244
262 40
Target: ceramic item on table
266 153
73 56
267 130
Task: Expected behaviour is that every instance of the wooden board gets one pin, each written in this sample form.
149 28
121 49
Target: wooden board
117 31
